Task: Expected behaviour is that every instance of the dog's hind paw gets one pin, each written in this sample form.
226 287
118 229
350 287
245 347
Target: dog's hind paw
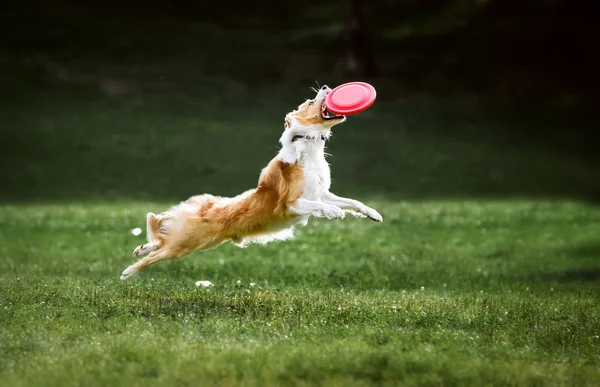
128 273
143 249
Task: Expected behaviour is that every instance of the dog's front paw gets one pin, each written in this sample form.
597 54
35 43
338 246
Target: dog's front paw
332 212
372 214
128 273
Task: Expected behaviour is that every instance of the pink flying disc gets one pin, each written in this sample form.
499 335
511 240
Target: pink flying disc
350 98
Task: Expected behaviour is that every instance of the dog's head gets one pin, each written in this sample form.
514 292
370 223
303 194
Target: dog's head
310 121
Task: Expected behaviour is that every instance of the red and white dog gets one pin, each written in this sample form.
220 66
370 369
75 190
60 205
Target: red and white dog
291 189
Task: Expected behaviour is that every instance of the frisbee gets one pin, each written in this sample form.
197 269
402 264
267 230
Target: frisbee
350 98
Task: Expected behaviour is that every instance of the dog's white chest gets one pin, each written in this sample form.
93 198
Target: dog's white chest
317 178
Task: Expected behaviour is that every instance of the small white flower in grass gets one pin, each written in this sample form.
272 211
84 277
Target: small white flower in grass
204 284
394 308
422 288
136 231
252 284
238 282
340 307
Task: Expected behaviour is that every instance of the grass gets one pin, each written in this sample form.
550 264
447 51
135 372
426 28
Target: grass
484 272
441 293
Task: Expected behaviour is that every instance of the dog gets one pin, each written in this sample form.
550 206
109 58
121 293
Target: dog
293 187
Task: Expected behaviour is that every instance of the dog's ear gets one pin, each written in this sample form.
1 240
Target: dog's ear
287 123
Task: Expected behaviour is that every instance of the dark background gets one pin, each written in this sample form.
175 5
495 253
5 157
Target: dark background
507 47
475 98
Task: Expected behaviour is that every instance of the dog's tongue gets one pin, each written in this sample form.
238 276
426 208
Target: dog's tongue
329 114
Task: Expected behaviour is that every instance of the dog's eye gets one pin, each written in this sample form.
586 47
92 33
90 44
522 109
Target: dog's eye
311 103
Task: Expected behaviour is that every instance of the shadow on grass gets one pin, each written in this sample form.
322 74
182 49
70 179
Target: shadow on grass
566 276
586 254
583 275
589 252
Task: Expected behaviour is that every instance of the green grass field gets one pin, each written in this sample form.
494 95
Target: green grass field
485 270
441 293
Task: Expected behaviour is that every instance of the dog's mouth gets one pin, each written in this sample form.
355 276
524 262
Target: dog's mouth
326 114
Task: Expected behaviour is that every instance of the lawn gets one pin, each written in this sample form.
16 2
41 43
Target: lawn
441 293
485 270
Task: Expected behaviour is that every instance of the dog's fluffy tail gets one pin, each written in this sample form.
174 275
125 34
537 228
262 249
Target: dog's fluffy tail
156 227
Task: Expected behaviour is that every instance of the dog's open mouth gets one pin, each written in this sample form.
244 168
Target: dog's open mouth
326 114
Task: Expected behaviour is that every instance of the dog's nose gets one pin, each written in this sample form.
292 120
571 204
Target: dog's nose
325 87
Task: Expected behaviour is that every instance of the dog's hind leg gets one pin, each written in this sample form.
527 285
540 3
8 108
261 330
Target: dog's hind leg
144 249
152 258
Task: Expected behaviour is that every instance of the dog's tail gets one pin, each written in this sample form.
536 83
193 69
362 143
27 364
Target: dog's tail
156 227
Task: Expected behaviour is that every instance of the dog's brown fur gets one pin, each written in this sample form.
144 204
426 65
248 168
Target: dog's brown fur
216 220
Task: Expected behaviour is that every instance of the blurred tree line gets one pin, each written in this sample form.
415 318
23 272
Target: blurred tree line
500 46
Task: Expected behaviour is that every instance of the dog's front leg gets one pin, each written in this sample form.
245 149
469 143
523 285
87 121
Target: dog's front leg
305 207
352 205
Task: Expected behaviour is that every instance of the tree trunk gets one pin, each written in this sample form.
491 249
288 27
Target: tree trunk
360 58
